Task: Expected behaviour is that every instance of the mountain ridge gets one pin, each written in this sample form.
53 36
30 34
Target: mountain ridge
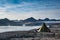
29 21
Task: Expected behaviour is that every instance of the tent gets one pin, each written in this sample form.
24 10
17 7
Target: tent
44 28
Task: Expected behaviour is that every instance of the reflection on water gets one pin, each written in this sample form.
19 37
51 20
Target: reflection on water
17 28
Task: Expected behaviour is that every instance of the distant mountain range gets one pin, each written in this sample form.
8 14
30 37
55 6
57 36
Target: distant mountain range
28 22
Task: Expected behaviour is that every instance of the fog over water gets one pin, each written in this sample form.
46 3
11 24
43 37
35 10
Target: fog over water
22 28
17 28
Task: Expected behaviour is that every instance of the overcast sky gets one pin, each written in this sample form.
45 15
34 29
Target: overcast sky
22 9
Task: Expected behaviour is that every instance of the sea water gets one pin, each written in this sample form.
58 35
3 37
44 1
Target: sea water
17 28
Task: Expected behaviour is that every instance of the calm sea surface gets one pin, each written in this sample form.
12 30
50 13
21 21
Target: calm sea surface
17 28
